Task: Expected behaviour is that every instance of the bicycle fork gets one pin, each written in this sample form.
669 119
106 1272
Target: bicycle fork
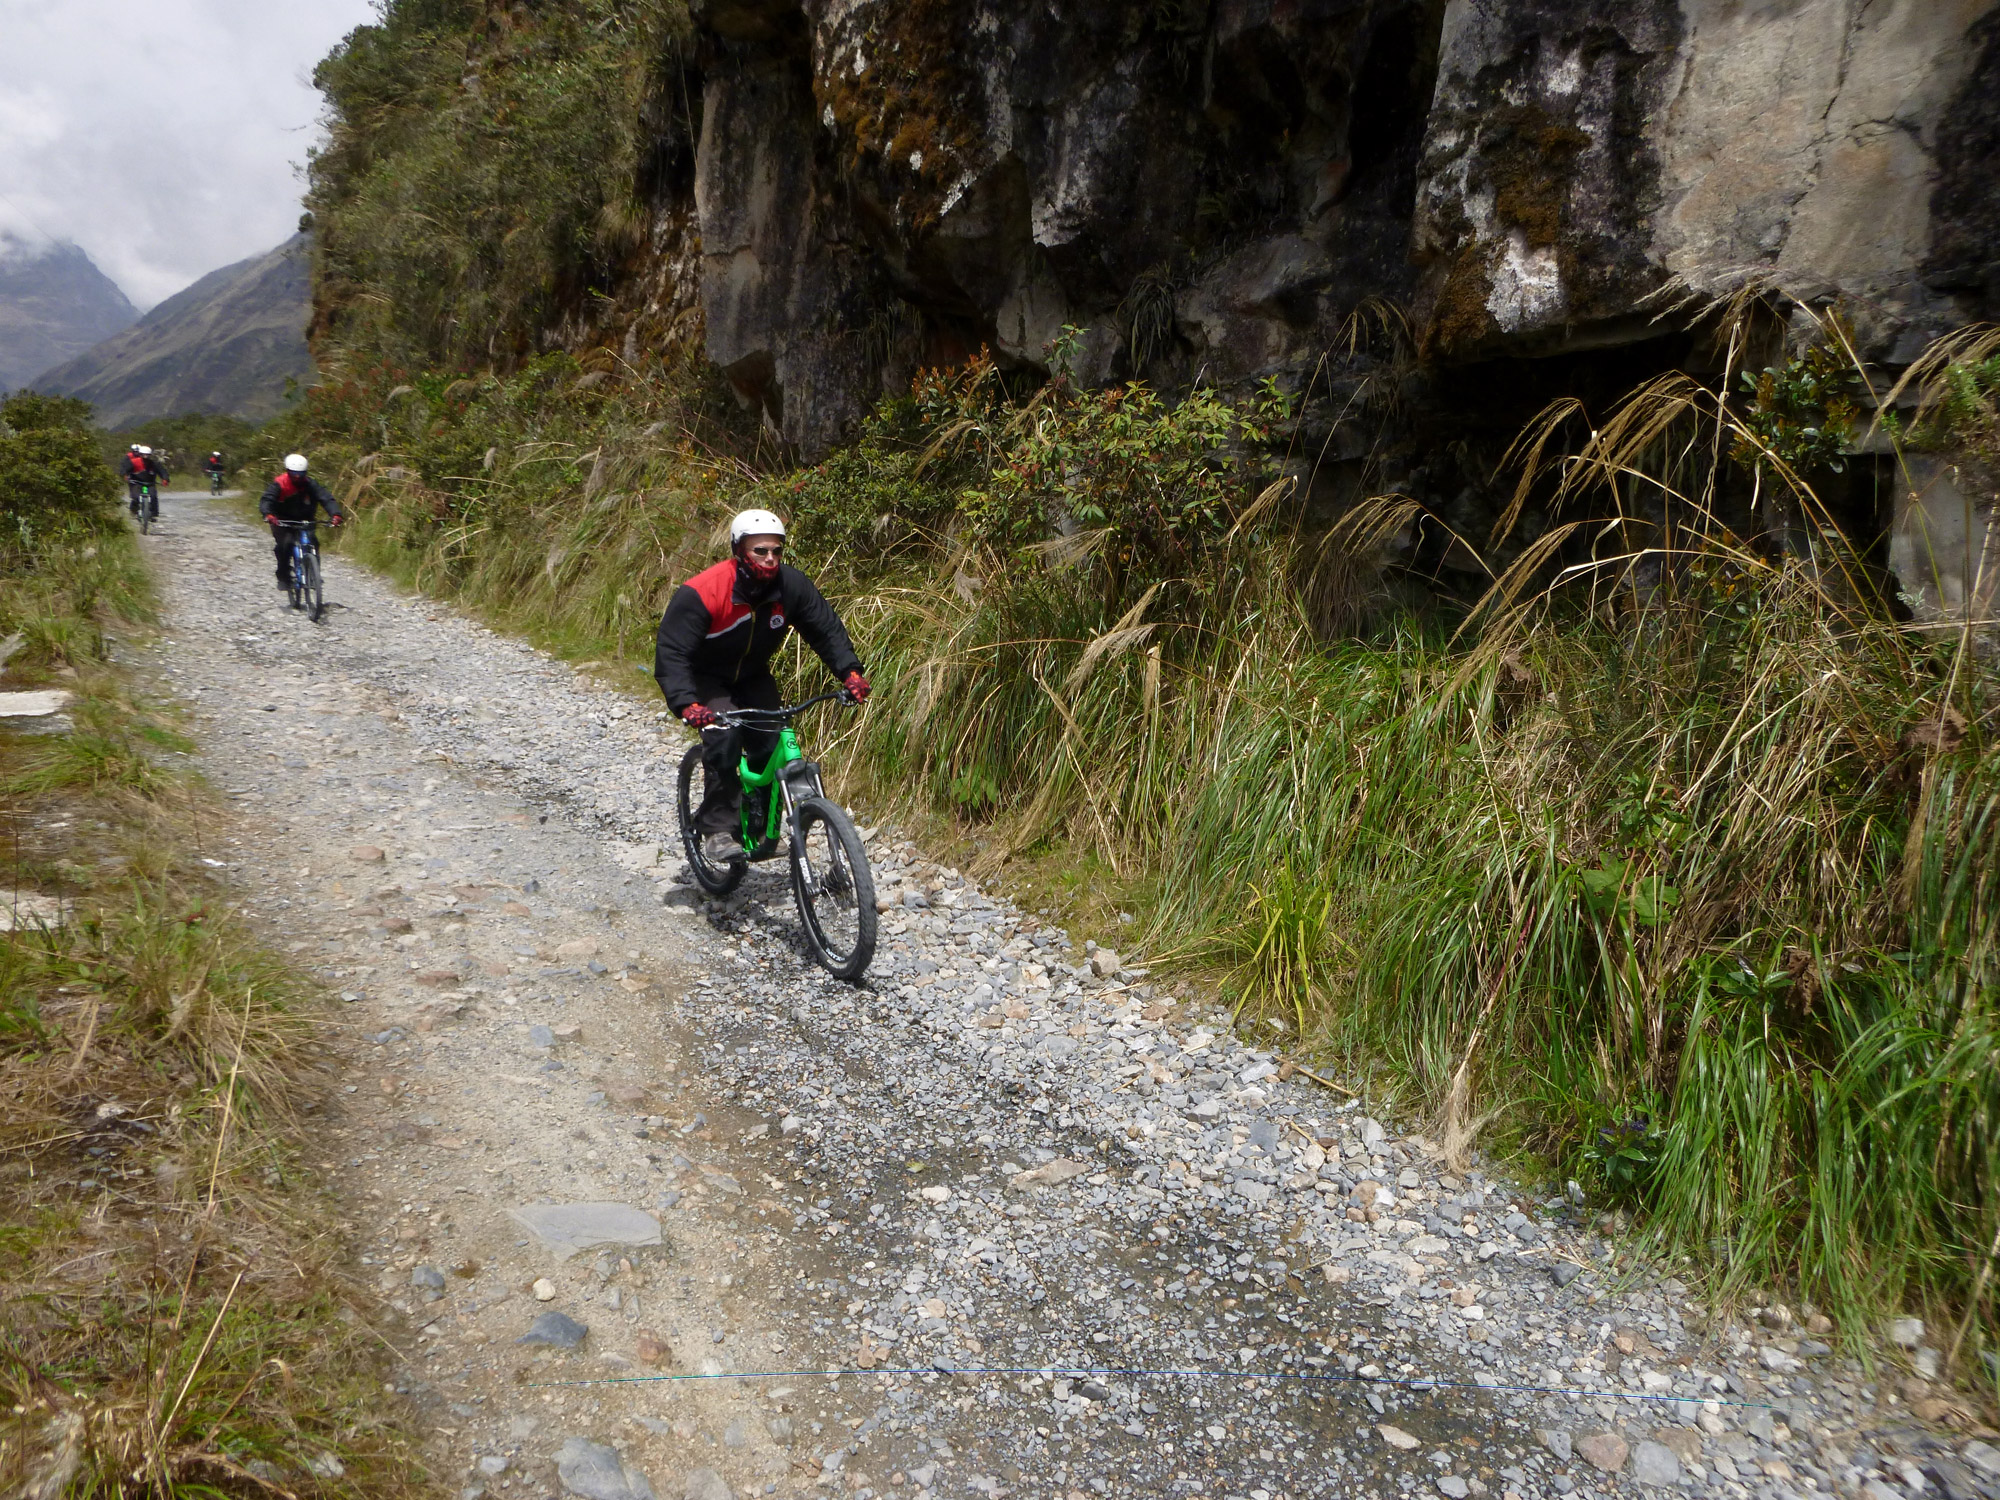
798 782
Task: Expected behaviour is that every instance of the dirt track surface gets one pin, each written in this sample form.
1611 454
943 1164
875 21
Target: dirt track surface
987 1168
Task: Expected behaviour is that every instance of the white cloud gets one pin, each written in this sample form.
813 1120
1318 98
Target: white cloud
163 136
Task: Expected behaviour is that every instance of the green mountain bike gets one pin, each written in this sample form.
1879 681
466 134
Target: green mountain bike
146 504
786 805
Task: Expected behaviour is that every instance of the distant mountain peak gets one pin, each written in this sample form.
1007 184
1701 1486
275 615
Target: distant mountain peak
54 305
227 344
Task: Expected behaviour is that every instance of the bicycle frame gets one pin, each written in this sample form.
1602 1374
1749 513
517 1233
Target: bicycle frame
773 786
303 537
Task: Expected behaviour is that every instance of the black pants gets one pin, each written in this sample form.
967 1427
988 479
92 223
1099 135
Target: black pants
132 490
721 748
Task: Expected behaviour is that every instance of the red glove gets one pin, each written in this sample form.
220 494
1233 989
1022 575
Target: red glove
857 687
270 520
335 520
700 715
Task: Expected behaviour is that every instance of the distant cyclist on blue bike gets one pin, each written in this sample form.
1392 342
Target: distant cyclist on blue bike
295 495
714 649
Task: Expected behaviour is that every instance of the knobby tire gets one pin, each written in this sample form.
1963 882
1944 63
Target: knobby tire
837 908
312 586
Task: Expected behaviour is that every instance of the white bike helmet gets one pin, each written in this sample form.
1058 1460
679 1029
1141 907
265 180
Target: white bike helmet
143 451
295 462
754 523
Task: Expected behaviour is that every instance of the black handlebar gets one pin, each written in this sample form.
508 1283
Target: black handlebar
740 716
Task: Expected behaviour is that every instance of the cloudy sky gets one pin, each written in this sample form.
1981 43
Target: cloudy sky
163 136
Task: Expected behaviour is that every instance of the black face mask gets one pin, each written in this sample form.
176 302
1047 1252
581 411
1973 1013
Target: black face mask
751 587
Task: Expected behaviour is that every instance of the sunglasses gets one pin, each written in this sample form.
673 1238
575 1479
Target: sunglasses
766 551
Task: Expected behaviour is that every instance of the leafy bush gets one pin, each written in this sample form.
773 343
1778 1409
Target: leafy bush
454 222
32 411
1802 413
185 440
53 484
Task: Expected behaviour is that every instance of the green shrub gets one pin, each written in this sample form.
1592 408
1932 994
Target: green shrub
32 411
53 484
453 223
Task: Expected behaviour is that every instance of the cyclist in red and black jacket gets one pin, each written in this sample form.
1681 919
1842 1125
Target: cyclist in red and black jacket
137 464
714 648
295 495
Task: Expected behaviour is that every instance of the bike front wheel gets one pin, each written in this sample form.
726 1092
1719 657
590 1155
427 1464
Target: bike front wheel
311 590
147 508
716 879
835 890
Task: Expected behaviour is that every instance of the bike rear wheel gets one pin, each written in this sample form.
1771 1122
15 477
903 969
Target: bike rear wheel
834 888
147 506
310 586
717 880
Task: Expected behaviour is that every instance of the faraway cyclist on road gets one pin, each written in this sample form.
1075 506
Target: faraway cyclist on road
295 495
137 464
212 465
713 654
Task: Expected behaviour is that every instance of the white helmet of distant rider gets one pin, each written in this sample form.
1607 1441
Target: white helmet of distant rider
143 451
295 463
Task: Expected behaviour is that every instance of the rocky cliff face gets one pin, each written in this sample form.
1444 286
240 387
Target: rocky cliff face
1203 187
1220 186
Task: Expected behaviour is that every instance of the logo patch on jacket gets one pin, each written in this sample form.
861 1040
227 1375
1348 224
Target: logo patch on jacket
777 619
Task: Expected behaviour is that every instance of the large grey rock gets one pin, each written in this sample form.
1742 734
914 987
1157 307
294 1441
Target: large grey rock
1581 155
596 1472
566 1228
706 1484
1655 1464
555 1329
1944 547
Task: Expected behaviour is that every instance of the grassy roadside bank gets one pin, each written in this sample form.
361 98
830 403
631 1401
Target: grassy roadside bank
1674 871
170 1319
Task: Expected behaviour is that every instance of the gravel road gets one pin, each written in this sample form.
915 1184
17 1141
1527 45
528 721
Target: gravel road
1003 1161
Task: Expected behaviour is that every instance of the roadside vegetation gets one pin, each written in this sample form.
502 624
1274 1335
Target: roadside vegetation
170 1320
183 441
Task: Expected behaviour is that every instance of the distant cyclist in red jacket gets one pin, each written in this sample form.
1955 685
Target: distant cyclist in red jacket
714 650
295 495
139 464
